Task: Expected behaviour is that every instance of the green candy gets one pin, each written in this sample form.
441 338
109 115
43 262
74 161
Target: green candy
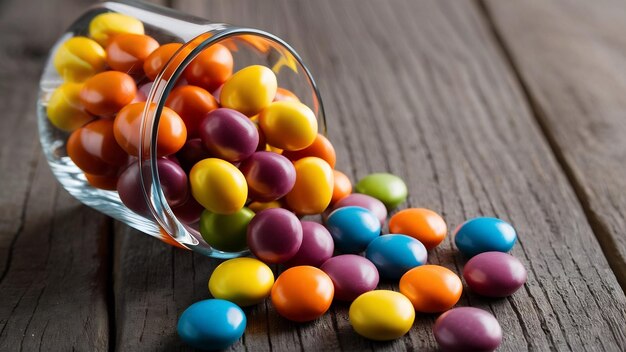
387 188
226 232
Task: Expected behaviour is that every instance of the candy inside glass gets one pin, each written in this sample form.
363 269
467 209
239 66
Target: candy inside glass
248 47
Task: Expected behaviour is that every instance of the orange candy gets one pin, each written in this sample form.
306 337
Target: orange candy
106 182
94 150
171 136
192 104
302 293
107 92
211 68
423 224
321 148
283 94
431 288
127 52
342 187
154 63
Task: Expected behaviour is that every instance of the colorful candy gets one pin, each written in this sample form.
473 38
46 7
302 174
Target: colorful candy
105 26
423 224
79 58
94 150
431 288
317 246
192 151
218 185
321 148
352 275
484 234
192 104
353 228
313 189
395 254
155 62
494 274
302 293
288 125
364 201
269 175
467 329
211 68
64 110
342 187
249 90
226 232
189 212
229 135
243 281
275 235
381 315
127 52
106 93
212 324
387 188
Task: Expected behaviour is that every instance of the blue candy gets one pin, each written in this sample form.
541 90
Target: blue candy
481 235
353 228
212 324
394 254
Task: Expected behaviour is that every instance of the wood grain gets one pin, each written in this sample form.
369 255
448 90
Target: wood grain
571 57
53 252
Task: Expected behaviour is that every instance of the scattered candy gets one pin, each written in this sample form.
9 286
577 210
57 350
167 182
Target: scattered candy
229 135
212 324
353 228
288 125
218 185
342 187
352 275
249 90
364 201
423 224
431 288
394 254
321 148
467 329
79 58
313 189
381 315
127 52
107 25
484 234
317 246
275 235
387 188
302 293
65 111
494 274
243 281
226 232
269 175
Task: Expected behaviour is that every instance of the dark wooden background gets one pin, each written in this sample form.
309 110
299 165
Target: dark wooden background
514 109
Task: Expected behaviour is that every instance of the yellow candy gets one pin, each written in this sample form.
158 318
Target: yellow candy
218 185
288 125
249 90
258 206
79 58
106 25
314 186
243 281
64 109
381 315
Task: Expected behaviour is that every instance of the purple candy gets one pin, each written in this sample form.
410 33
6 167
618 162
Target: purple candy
352 275
317 245
192 152
269 176
189 212
229 134
467 329
274 235
364 201
494 274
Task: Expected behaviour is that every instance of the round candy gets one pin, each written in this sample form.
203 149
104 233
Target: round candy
342 187
467 329
394 254
243 281
275 235
431 288
288 125
106 182
105 26
364 201
174 182
352 275
155 62
218 185
226 232
211 68
212 324
480 235
127 52
381 315
353 228
302 293
283 94
79 58
64 110
94 150
106 93
192 152
387 188
249 90
192 104
494 274
189 212
321 148
423 224
269 175
313 189
171 135
317 245
229 135
258 206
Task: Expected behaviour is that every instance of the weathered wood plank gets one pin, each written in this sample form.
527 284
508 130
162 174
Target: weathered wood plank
571 55
53 252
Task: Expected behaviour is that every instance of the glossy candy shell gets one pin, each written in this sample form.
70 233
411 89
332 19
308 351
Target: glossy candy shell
387 188
431 288
249 90
353 228
313 189
494 274
317 245
275 235
192 104
364 201
211 324
321 148
395 254
218 185
352 275
484 234
226 232
381 315
229 135
467 329
269 175
288 125
106 93
423 224
302 293
127 52
243 281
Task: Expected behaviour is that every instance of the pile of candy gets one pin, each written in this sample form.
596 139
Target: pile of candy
241 159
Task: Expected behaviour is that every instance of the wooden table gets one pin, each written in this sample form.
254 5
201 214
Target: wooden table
514 109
